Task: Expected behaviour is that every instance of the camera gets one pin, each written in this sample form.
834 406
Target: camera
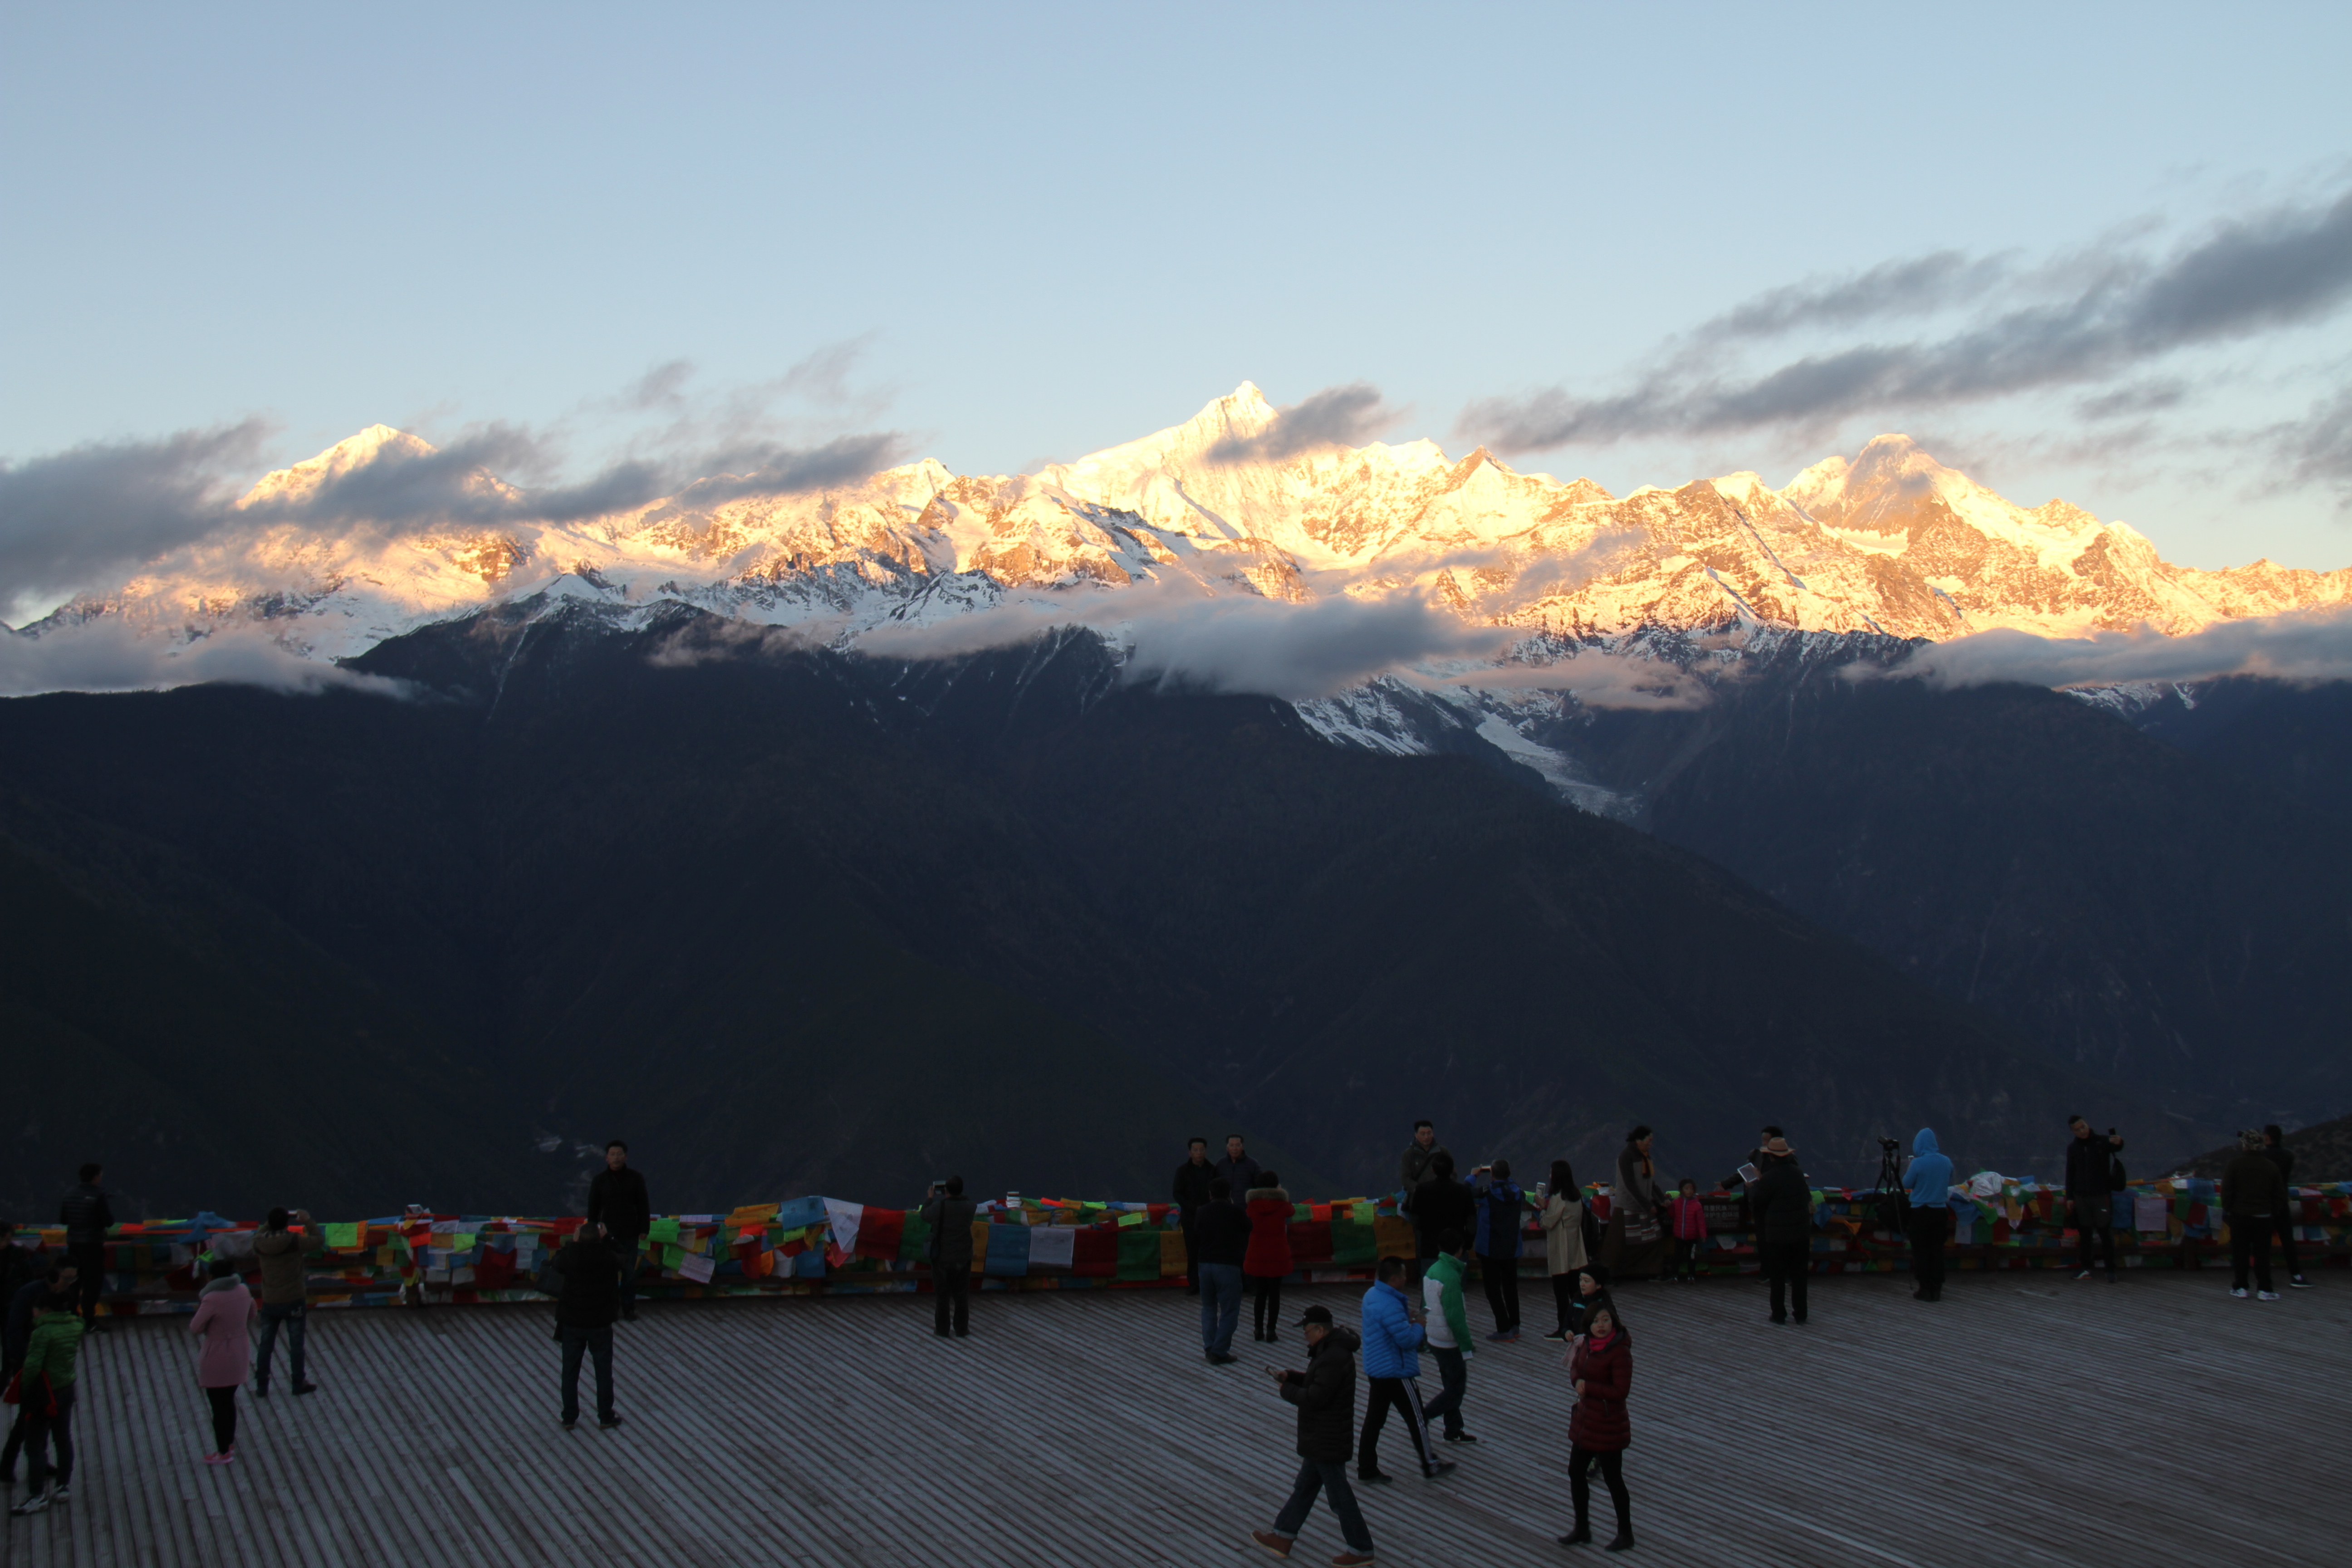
1889 1144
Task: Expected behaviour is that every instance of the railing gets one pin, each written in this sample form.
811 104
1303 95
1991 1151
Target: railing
813 1245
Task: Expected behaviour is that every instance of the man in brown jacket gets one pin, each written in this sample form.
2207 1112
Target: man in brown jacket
2253 1195
285 1293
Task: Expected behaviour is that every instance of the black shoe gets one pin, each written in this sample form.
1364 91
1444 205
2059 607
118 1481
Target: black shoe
302 1388
1272 1338
1780 1317
567 1425
1556 1334
1799 1320
1374 1478
261 1391
1921 1294
1625 1542
1438 1471
606 1423
1222 1360
1577 1537
963 1333
939 1333
1191 1289
628 1314
1460 1437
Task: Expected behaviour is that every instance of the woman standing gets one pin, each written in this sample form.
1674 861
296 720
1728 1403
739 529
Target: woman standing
1269 1256
1636 1245
224 1311
1562 1219
1598 1429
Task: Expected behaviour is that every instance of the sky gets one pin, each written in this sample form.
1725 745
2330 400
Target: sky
2103 253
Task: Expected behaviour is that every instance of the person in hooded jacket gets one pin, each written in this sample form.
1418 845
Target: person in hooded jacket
1929 1184
1502 1216
1268 1258
1783 1206
2275 1151
1562 1219
1325 1394
225 1313
1392 1343
2253 1195
1598 1431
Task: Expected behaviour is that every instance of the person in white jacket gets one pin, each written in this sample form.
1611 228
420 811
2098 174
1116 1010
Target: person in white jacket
1562 1219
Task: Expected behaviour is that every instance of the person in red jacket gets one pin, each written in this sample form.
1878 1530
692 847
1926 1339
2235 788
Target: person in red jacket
1688 1218
1602 1368
1268 1257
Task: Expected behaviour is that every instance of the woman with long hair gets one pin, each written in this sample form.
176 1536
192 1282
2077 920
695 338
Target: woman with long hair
1598 1431
1562 1219
1268 1258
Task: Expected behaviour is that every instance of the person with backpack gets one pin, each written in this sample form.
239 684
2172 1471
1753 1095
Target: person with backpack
43 1387
285 1294
1502 1216
87 1216
2275 1151
1268 1258
950 1215
618 1201
1927 1184
587 1280
1325 1394
1566 1249
1601 1369
1783 1204
225 1313
2094 1175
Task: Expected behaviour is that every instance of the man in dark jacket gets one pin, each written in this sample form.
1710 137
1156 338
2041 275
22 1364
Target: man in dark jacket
23 1302
1224 1229
1192 1194
617 1201
950 1215
1325 1396
2275 1151
2090 1191
586 1305
2254 1195
1413 1170
1440 1206
1237 1168
1782 1200
88 1216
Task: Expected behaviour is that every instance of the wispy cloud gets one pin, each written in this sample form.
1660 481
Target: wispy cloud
2095 318
1346 415
2306 646
105 655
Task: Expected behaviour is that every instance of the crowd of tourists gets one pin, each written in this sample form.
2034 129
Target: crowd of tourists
1235 1216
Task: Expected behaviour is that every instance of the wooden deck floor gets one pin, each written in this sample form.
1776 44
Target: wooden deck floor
2025 1421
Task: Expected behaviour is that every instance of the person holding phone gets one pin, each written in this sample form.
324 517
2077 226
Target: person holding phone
1325 1394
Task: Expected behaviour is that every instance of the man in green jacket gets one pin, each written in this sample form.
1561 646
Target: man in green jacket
285 1293
47 1388
1448 1328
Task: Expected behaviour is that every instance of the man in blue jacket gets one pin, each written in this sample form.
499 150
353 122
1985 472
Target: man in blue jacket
1928 1183
1392 1343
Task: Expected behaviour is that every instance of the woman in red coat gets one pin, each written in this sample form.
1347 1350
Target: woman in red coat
1268 1257
1603 1367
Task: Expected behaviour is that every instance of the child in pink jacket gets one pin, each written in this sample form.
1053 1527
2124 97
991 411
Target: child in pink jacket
1688 1215
224 1310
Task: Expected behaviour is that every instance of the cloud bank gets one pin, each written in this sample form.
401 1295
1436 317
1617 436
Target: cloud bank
1346 415
2306 646
104 655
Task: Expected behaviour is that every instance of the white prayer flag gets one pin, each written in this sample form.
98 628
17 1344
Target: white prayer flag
844 1219
1050 1245
696 1267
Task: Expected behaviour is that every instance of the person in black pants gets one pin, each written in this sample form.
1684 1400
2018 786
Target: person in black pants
2090 1192
617 1201
1192 1194
950 1215
88 1216
1783 1206
585 1312
2275 1151
23 1302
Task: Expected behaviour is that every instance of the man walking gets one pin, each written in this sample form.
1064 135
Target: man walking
2275 1151
1449 1332
2090 1191
1325 1396
1502 1219
1393 1344
617 1201
1192 1194
2253 1196
15 1340
1783 1204
1224 1230
88 1216
950 1215
1240 1172
285 1293
1413 1170
591 1300
1929 1184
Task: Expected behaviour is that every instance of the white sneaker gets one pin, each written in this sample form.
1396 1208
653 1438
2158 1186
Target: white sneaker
38 1504
2240 1292
61 1494
2085 1274
2270 1296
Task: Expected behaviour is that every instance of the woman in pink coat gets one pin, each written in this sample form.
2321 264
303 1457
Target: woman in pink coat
224 1312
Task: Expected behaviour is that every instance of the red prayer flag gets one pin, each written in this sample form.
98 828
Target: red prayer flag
879 1233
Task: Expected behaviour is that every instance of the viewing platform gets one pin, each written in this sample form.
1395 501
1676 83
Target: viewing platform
2025 1420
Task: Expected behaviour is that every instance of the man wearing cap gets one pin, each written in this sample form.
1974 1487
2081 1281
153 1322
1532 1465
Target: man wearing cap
1783 1206
1325 1396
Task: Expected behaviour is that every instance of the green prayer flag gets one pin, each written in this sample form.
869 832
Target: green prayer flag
343 1235
663 1230
1138 1254
1353 1244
